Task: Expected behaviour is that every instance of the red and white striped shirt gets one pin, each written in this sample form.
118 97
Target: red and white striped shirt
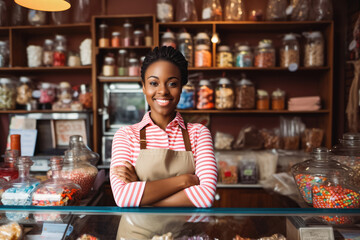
126 147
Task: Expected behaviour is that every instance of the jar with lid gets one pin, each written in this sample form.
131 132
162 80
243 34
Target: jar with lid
290 52
278 99
24 91
164 10
243 56
265 54
73 59
104 39
8 170
64 97
314 49
128 34
116 39
262 102
122 63
84 153
60 56
48 53
47 95
187 97
108 69
19 191
168 39
86 96
4 54
202 50
134 67
148 36
36 17
185 46
205 95
245 94
7 94
139 38
211 10
224 94
224 57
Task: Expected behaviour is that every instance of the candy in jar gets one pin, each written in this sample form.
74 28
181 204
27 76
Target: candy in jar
24 91
262 102
185 46
128 34
48 53
243 57
224 57
104 40
108 69
86 96
64 96
7 94
187 97
290 52
265 54
245 94
314 49
47 95
205 95
278 100
224 94
8 170
164 10
115 39
134 67
202 50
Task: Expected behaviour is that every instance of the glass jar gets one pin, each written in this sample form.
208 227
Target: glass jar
115 39
139 38
185 11
148 36
290 52
81 11
8 170
64 97
48 53
314 49
265 54
211 10
7 94
262 102
185 46
73 59
86 96
62 17
134 67
187 97
109 67
202 50
122 65
18 15
24 91
128 34
60 56
164 10
245 94
104 40
168 39
234 10
244 56
276 10
4 54
278 100
224 94
36 17
84 153
47 95
3 14
224 57
205 95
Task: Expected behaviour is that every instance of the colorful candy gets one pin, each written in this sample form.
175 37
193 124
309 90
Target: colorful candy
305 185
205 98
84 177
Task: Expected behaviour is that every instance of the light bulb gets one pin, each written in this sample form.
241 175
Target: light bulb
215 38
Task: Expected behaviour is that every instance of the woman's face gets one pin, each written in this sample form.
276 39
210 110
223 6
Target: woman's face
162 87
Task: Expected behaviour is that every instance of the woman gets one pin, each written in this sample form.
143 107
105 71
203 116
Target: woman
161 161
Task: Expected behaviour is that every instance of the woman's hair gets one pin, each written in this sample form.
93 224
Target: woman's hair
167 54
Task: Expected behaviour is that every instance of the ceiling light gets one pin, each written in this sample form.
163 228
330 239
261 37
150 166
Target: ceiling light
45 5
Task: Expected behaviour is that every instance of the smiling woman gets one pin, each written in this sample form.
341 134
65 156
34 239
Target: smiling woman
162 161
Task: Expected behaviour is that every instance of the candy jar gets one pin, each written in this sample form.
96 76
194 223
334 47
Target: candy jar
86 96
314 49
122 65
104 39
8 170
84 153
128 34
290 52
60 56
19 191
265 54
187 97
24 91
243 56
3 14
4 54
185 46
245 94
108 69
116 39
139 38
36 17
48 53
168 39
148 35
234 10
262 102
7 94
47 95
64 96
205 95
224 57
278 100
134 67
164 10
202 50
224 94
211 10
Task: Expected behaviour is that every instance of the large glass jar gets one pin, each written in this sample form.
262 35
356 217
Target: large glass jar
8 170
290 52
168 39
24 91
139 39
108 69
122 65
186 11
81 11
205 95
134 67
187 97
4 54
234 10
202 50
104 39
211 10
64 97
47 95
276 10
18 15
262 100
164 10
48 53
224 57
314 49
36 17
84 153
185 46
265 54
245 94
128 34
224 94
3 14
243 56
7 94
86 96
278 100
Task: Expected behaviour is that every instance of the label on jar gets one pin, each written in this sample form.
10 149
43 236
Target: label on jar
49 197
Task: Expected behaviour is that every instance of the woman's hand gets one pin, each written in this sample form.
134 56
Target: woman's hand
190 180
125 173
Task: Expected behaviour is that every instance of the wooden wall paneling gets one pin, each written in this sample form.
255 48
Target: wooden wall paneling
95 86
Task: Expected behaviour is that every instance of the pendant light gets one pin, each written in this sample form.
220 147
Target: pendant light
45 5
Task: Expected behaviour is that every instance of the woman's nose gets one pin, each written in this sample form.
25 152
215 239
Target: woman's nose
163 89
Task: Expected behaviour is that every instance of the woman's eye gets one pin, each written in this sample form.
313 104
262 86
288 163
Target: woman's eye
153 83
173 84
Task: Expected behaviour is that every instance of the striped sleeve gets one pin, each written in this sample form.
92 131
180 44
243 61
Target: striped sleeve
202 196
125 195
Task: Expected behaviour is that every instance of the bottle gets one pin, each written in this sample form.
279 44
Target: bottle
109 66
263 102
104 40
224 94
224 57
139 38
134 67
60 50
48 53
128 34
185 46
148 36
122 65
115 39
8 170
205 95
202 50
15 142
168 39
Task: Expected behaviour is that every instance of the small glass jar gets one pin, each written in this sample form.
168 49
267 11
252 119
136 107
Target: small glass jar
108 69
134 67
290 52
139 38
168 39
60 56
262 102
265 54
185 46
128 34
7 94
24 91
84 153
245 94
314 49
47 95
243 56
148 36
224 57
205 95
36 17
202 50
116 39
8 170
4 54
187 97
122 63
104 40
278 100
48 53
164 10
73 59
224 94
86 96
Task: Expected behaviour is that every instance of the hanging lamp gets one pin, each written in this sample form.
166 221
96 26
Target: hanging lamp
45 5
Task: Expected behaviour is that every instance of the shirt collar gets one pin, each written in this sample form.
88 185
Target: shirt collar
146 120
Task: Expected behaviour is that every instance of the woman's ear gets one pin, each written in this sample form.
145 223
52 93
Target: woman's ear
143 86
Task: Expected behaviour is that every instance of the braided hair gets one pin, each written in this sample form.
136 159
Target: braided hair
167 54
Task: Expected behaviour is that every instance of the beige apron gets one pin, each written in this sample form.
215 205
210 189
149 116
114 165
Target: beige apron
151 165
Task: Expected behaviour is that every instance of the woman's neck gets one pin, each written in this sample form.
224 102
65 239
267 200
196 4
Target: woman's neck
161 120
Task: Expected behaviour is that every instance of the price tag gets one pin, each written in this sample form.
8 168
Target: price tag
316 233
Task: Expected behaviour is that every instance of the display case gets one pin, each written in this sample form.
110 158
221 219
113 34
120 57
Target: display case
179 223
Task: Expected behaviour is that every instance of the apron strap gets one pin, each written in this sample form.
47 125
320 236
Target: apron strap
143 138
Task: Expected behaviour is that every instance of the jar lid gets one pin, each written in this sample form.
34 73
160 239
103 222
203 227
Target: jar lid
202 47
184 35
278 93
349 145
64 85
127 25
138 32
122 51
244 81
115 33
103 25
204 82
5 80
202 35
262 93
48 42
109 59
133 60
25 79
60 37
265 43
2 43
60 48
351 136
45 85
244 48
289 36
224 81
224 48
168 35
315 34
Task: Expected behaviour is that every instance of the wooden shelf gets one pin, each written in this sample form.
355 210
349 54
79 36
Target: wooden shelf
41 111
131 47
269 112
71 25
257 69
119 79
46 69
238 185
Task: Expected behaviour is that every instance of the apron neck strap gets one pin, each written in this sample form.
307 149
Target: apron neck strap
143 138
